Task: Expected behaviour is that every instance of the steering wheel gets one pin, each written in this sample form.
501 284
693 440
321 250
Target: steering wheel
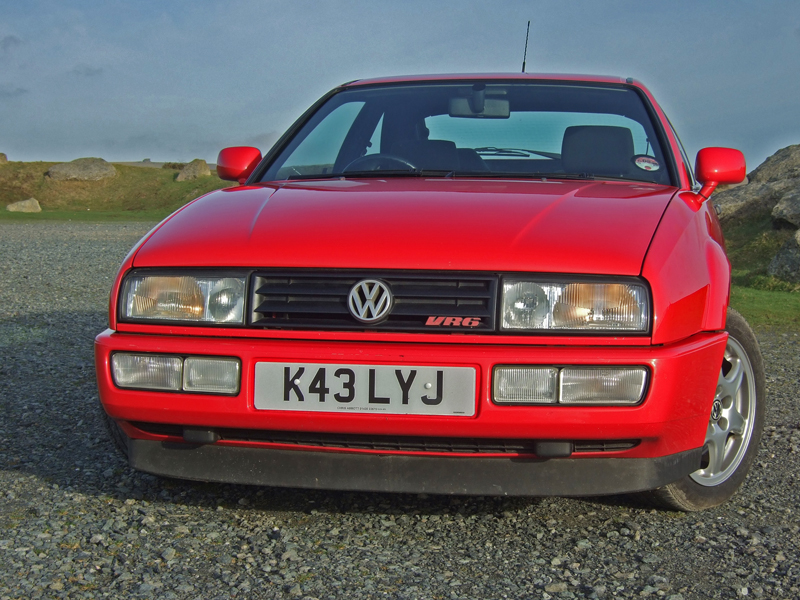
379 162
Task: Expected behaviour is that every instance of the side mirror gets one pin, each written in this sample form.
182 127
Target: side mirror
236 164
715 166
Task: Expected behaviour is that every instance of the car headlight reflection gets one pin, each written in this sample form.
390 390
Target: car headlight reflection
184 298
542 305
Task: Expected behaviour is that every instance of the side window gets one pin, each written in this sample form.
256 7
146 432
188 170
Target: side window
374 145
318 151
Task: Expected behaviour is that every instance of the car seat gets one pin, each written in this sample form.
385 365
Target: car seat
597 150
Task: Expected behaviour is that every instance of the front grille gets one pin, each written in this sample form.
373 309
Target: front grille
386 443
319 300
604 445
391 443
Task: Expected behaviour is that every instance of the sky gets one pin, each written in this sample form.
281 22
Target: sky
173 80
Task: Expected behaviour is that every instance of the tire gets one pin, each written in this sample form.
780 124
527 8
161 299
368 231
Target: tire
734 429
116 434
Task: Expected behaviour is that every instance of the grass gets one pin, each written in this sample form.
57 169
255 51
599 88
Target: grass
751 244
768 303
135 193
768 310
86 215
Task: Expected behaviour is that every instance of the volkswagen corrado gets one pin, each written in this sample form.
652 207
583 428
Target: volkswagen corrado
461 284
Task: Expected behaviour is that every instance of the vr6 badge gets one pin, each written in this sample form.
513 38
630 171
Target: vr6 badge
453 321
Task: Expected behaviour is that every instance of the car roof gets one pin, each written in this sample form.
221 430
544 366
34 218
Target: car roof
491 76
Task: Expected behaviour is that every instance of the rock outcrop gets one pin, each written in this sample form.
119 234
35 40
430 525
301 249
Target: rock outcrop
786 264
31 205
82 169
773 188
746 201
784 164
787 210
3 158
194 170
773 182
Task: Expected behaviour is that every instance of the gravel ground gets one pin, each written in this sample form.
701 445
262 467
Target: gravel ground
76 522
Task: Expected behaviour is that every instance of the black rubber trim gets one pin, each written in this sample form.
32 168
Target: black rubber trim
393 443
410 474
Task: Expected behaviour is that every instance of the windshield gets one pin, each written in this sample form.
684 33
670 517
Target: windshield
479 129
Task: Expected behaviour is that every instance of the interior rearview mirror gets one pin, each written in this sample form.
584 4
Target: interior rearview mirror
479 108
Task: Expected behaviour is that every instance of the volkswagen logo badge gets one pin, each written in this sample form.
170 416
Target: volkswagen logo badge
370 301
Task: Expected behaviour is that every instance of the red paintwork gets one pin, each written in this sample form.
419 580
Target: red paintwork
236 164
722 165
715 166
688 271
490 77
668 236
495 225
369 336
669 420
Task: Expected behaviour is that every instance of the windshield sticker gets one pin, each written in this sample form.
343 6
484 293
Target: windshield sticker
646 163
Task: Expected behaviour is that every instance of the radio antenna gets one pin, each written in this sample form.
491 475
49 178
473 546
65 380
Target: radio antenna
525 56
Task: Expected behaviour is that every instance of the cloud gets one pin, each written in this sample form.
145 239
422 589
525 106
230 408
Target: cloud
9 42
84 70
9 91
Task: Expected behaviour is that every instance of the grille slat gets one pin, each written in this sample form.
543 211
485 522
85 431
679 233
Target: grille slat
604 446
304 289
452 311
319 299
303 307
393 443
433 292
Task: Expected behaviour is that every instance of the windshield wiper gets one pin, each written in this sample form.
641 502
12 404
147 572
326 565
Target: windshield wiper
590 177
587 176
362 174
495 151
524 175
450 174
314 176
399 173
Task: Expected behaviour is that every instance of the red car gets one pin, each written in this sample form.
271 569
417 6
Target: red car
461 284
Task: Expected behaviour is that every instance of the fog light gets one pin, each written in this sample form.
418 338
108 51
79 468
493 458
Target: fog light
525 385
603 386
211 375
146 371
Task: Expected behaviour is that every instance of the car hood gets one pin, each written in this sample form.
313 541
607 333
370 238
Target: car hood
404 223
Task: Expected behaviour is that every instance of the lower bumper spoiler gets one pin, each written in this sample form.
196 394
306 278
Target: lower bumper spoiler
410 474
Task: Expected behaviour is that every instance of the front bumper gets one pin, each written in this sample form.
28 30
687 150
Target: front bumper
668 427
411 474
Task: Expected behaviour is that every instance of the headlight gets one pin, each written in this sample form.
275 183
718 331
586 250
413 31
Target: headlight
184 298
549 305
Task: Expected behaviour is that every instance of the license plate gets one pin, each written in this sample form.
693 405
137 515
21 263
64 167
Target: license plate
382 389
